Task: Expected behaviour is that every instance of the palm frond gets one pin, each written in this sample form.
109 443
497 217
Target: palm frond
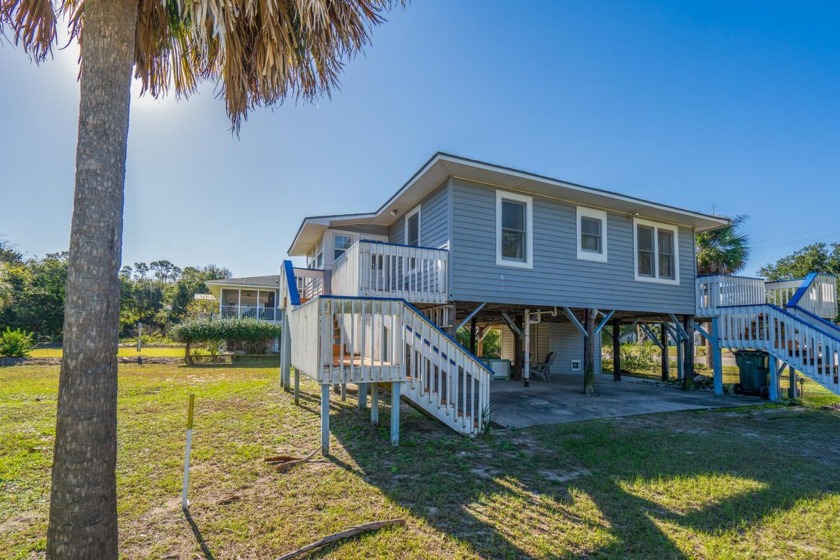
266 51
33 23
723 251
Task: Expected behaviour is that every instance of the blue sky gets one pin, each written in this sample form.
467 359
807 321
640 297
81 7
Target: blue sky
715 106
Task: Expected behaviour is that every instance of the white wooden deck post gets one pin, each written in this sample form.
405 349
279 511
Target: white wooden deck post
395 413
774 379
325 419
717 361
374 404
526 360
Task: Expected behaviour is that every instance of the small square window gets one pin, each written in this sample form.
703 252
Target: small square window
591 234
340 244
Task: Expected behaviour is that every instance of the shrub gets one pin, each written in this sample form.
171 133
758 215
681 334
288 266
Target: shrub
638 357
15 343
236 333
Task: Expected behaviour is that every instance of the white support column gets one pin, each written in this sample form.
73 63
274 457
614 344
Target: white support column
526 360
374 404
325 419
717 360
258 305
774 379
395 413
239 305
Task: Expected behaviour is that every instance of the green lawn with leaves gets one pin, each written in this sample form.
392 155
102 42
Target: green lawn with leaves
761 482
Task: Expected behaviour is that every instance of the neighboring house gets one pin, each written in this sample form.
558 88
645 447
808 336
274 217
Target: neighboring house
254 297
467 243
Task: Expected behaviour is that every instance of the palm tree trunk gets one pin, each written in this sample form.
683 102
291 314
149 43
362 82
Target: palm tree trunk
83 498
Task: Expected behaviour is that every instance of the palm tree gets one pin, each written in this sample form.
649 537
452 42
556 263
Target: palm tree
260 53
722 251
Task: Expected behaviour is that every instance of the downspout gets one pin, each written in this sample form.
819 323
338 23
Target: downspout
526 362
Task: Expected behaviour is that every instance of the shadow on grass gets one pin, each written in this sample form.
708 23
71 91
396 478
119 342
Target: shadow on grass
208 554
570 491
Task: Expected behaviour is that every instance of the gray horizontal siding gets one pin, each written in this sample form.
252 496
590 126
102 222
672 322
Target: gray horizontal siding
558 277
434 221
562 338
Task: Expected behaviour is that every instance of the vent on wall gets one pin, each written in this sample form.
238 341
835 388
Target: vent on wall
575 365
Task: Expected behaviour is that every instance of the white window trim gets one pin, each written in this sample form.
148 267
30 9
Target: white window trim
584 212
353 240
656 226
410 213
529 230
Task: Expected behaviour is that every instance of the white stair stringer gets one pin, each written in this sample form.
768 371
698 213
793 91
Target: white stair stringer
809 349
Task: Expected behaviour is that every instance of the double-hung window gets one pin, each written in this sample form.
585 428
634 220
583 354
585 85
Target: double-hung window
412 227
591 234
514 230
657 256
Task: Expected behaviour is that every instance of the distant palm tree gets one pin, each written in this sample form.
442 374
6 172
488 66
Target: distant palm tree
722 251
260 53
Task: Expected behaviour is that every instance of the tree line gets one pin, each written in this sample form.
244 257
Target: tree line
157 294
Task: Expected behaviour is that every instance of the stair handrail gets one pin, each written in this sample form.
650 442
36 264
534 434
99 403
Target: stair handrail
291 283
788 314
802 345
812 283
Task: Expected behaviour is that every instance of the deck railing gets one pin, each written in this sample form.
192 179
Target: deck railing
444 379
817 294
808 349
780 293
339 339
248 312
348 340
714 292
375 269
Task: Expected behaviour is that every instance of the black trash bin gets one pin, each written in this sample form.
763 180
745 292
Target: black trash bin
753 373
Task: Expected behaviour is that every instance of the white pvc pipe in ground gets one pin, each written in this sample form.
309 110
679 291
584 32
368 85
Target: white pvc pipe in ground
184 501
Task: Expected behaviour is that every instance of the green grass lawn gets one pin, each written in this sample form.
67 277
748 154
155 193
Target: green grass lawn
123 351
761 482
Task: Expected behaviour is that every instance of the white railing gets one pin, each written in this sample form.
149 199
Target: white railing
310 283
375 269
349 340
305 333
779 293
356 340
444 379
248 312
818 295
764 327
714 292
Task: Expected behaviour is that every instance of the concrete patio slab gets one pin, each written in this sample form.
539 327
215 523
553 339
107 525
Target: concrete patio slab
562 400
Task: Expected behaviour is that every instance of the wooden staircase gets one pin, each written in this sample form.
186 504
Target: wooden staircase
811 350
341 339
